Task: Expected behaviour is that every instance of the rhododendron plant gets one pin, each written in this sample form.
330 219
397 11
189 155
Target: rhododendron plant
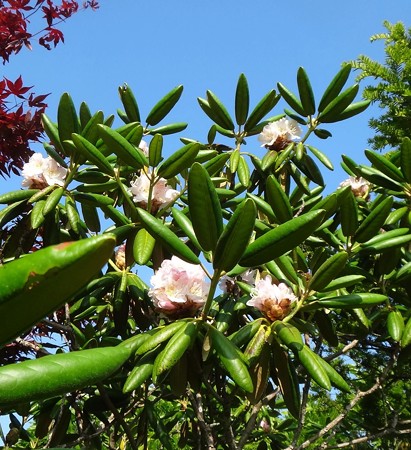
360 187
40 172
277 135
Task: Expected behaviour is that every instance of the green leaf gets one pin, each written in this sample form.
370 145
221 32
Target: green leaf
164 106
155 150
395 325
93 154
175 348
335 87
127 152
383 164
289 335
28 285
129 103
348 301
169 129
321 157
278 200
179 160
406 335
68 122
140 373
243 172
52 132
205 209
229 355
314 367
143 247
352 110
374 221
219 111
305 92
235 237
91 217
282 239
186 226
405 149
242 100
36 215
336 379
163 234
159 335
386 241
90 131
264 106
52 200
16 196
332 112
349 214
328 271
58 374
291 99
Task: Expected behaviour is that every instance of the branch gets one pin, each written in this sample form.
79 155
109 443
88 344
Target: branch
197 403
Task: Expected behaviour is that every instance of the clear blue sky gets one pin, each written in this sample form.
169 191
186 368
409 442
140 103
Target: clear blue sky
156 45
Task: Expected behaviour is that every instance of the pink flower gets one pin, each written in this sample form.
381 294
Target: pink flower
178 288
162 194
360 187
40 172
277 135
273 300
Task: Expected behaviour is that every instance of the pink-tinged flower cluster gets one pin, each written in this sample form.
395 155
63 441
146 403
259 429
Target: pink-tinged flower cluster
360 187
273 300
277 135
178 288
40 172
162 195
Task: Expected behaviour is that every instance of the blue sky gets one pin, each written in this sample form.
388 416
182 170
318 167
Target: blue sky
156 45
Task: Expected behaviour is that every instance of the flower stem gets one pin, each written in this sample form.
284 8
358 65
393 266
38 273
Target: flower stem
213 286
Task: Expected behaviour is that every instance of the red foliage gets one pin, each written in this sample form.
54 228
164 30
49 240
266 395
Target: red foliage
19 125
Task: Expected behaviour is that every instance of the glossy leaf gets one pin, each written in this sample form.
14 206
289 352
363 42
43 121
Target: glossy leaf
305 92
205 209
395 325
291 99
179 160
219 111
281 239
278 200
163 234
332 112
328 271
235 237
314 367
129 103
374 221
264 106
405 155
164 106
335 87
155 150
143 247
242 100
28 285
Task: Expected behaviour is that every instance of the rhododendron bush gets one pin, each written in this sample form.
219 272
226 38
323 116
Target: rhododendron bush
211 294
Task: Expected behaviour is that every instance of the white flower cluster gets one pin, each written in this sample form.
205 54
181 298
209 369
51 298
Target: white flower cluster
360 187
277 135
162 194
40 172
273 300
178 288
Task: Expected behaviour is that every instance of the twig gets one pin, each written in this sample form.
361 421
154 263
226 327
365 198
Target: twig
32 346
251 421
119 417
301 421
369 437
197 403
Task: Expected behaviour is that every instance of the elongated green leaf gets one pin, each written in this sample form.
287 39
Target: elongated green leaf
348 301
314 367
90 131
57 374
395 325
127 152
140 373
332 112
186 226
335 87
405 155
289 335
374 221
52 200
321 157
175 348
164 106
406 335
16 196
349 215
155 150
243 172
36 215
336 379
235 237
220 112
52 132
159 335
169 129
92 153
352 110
343 282
205 209
386 241
385 166
278 200
328 271
291 99
242 100
28 285
229 355
179 160
305 92
264 106
129 103
143 247
162 233
282 239
68 121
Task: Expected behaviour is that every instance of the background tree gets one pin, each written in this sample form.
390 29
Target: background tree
20 109
392 91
